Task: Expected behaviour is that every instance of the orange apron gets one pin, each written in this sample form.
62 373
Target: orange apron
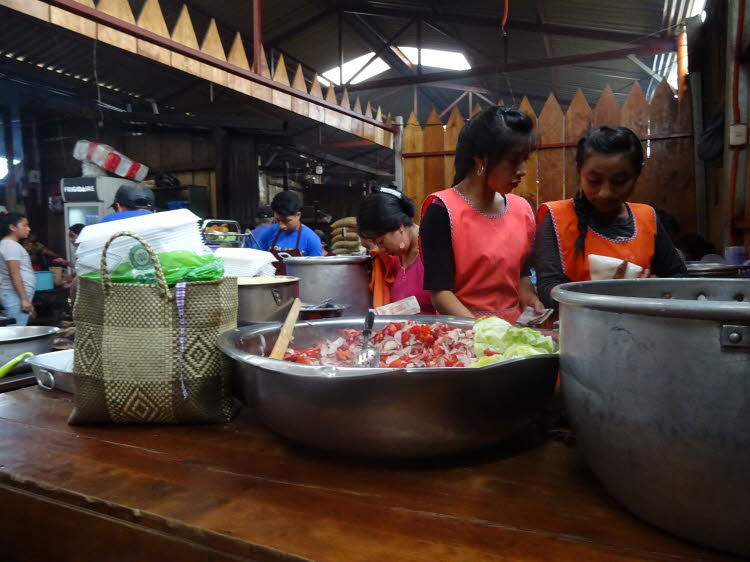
489 253
639 249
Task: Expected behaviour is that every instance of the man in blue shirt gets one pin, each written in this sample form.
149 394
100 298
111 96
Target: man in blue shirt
131 201
289 235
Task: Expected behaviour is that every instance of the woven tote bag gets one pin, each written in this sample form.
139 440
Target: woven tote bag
146 353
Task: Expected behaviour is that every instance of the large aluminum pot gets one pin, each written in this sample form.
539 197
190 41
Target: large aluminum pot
656 379
16 340
344 279
265 299
386 412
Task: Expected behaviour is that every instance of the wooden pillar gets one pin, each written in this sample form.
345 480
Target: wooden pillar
257 39
682 64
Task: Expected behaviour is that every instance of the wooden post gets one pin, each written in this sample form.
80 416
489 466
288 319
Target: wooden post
257 42
682 64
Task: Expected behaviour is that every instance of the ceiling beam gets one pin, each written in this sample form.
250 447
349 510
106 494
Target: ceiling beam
494 21
343 162
511 67
376 40
279 38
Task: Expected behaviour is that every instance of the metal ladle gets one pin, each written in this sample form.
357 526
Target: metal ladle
368 356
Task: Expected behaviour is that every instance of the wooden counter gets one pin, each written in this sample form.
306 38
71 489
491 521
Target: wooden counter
237 492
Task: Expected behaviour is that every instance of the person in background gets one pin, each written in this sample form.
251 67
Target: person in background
264 216
476 237
323 241
387 218
73 233
131 201
17 278
599 220
289 235
40 254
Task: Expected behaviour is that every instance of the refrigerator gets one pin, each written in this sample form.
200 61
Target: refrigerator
87 200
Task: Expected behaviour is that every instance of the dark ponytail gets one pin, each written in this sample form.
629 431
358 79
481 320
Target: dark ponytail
492 133
604 140
384 211
8 220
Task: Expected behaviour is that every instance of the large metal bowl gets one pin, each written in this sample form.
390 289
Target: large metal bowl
15 340
386 412
656 378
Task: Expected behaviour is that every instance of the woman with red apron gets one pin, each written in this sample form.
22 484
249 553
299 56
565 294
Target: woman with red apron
476 237
599 220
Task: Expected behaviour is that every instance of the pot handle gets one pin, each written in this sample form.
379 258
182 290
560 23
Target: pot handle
735 336
276 294
48 386
284 255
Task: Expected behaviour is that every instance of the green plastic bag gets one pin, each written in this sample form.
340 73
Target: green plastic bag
177 266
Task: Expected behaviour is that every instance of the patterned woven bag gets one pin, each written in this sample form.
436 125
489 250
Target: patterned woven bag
147 353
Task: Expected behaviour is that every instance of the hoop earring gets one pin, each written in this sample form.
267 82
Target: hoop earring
480 170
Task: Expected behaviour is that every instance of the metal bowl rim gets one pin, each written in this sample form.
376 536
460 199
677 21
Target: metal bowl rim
42 334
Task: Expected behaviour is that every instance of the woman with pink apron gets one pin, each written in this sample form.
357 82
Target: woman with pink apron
476 238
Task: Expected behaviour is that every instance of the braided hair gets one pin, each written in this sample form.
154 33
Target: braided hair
493 133
604 140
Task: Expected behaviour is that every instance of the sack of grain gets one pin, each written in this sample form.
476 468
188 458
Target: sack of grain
349 222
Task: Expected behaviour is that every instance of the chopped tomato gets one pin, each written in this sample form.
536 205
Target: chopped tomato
490 353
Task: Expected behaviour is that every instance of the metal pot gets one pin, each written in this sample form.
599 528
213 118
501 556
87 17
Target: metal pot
54 371
312 312
386 412
712 270
656 379
15 340
344 279
265 299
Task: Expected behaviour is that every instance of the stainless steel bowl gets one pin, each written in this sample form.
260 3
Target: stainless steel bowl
656 379
15 340
386 412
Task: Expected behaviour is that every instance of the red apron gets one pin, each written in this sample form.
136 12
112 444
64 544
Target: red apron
489 253
295 253
639 249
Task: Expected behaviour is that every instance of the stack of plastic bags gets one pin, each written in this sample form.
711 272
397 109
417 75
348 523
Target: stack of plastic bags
345 237
170 231
246 262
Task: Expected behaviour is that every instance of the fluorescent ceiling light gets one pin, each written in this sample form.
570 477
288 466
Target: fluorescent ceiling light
351 68
450 60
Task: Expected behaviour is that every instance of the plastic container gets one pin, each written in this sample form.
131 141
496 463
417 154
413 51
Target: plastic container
45 280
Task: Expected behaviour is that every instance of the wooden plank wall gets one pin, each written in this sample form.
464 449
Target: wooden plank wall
664 125
333 110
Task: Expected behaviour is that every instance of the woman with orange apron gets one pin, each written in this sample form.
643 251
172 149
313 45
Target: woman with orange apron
476 237
599 220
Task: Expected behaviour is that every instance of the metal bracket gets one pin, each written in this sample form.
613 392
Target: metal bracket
735 336
277 297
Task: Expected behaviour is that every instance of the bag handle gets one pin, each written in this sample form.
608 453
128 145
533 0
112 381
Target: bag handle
160 280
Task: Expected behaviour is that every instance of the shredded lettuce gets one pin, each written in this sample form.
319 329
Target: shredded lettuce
521 350
498 336
528 337
488 333
482 361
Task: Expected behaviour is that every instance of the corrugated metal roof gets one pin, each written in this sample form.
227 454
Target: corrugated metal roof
316 44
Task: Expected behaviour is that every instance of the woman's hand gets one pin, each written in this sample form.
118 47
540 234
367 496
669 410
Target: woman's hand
527 296
620 272
26 306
